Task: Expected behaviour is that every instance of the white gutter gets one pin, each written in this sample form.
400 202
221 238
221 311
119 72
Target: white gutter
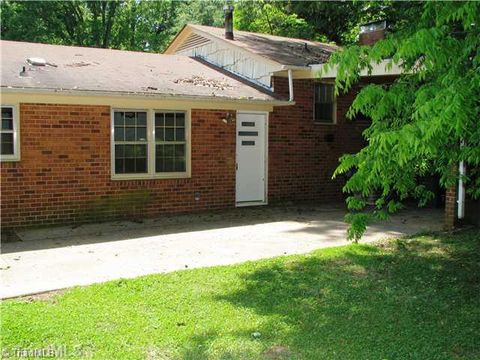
156 96
290 85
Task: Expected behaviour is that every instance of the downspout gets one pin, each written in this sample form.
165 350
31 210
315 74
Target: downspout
461 190
290 85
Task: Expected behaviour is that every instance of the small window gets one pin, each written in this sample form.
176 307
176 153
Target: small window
131 145
324 111
170 142
9 137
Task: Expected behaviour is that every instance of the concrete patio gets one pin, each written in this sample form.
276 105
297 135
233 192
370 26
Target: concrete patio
60 257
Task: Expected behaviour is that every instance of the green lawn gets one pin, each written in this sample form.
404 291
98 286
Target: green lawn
415 298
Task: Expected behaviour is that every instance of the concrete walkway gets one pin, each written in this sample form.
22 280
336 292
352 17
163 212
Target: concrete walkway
61 257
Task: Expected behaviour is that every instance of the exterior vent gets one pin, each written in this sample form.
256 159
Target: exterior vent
192 41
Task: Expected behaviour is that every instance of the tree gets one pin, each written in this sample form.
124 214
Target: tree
271 17
426 121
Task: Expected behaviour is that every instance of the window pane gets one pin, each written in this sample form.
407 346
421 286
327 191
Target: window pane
141 165
118 118
169 150
159 165
179 150
169 134
180 119
159 119
142 119
179 164
7 113
159 153
119 151
324 113
129 118
180 134
140 150
119 134
142 133
159 134
169 165
119 168
169 119
129 151
129 165
7 144
130 134
7 124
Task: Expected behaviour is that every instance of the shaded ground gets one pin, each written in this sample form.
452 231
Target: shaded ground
60 257
414 298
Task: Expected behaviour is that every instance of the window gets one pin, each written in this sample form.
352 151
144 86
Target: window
170 144
149 144
10 149
324 111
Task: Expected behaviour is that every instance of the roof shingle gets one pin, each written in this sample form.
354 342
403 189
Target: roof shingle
116 71
283 50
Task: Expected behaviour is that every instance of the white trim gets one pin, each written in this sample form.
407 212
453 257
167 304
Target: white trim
378 69
16 135
151 174
254 203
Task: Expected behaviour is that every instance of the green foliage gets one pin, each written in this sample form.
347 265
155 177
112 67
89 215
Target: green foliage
150 25
271 17
121 24
427 120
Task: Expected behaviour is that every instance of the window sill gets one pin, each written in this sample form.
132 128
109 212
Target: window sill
324 123
9 158
120 177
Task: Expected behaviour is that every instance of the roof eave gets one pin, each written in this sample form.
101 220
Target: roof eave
157 96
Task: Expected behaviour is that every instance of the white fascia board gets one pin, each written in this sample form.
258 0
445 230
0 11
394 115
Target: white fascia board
156 96
383 68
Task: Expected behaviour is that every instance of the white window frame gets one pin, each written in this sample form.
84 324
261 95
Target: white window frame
151 174
334 117
16 136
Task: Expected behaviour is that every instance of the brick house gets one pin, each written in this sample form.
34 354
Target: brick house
220 120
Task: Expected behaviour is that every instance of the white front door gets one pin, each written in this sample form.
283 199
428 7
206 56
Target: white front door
251 158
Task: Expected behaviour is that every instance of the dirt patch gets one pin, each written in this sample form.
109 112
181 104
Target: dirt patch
278 352
49 296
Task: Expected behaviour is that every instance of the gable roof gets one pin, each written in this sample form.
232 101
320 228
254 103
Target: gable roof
117 72
282 50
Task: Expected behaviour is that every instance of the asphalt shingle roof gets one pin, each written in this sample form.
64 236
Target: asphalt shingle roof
283 50
116 71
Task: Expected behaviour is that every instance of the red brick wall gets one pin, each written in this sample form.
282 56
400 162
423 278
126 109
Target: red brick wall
302 154
64 172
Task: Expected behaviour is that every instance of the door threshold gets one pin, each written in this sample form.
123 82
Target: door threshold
250 203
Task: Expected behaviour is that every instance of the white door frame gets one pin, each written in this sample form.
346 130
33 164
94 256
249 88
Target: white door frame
265 201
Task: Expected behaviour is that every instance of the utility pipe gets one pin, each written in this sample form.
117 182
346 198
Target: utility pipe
290 84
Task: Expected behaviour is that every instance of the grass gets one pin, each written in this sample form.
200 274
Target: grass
416 298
